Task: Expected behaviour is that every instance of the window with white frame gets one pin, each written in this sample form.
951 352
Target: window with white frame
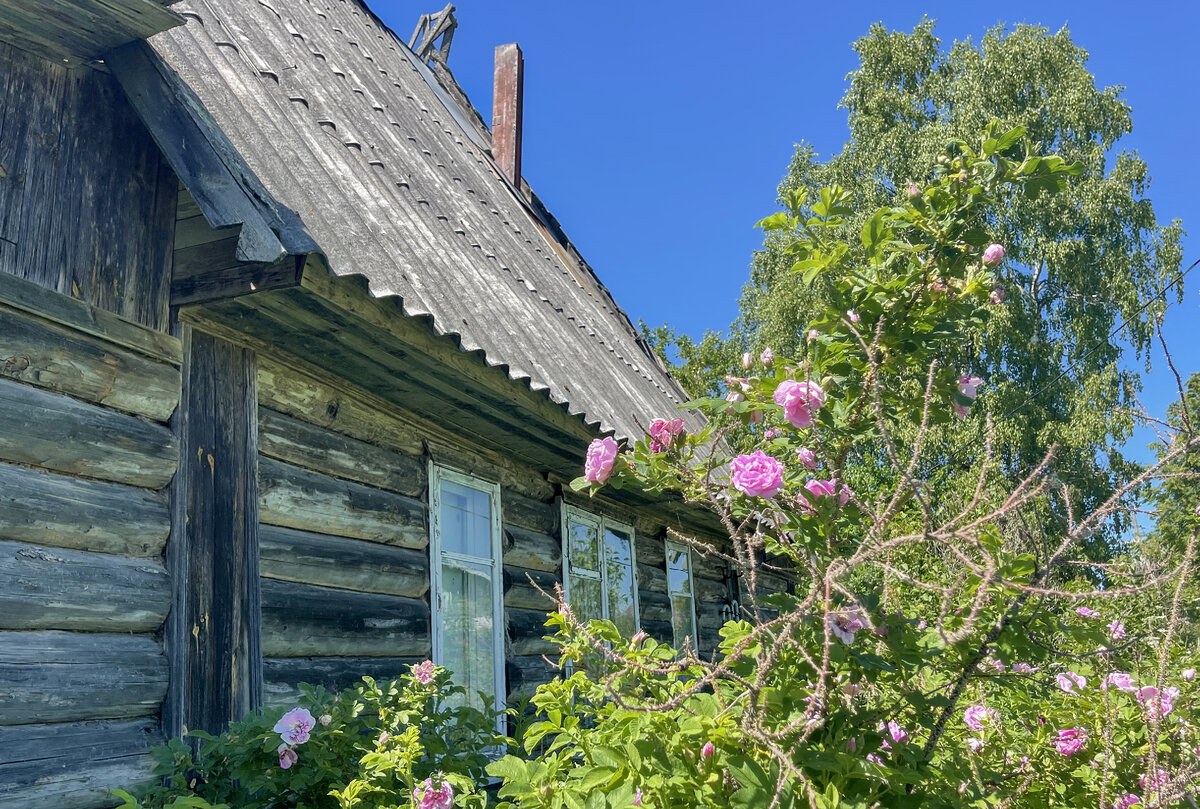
465 558
681 590
600 565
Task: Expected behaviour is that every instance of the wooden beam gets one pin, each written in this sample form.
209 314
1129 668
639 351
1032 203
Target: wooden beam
222 283
349 564
72 31
507 98
214 634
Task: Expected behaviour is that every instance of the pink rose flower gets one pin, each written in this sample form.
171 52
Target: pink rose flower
294 726
1070 741
853 316
707 750
1069 681
1188 675
1157 704
772 433
287 757
1116 630
899 734
975 744
637 797
997 296
638 638
1120 681
757 474
601 455
968 386
913 191
1087 613
874 759
1156 781
993 255
767 357
427 796
747 360
423 672
824 488
814 334
978 717
807 457
663 433
1127 800
845 623
799 401
1024 668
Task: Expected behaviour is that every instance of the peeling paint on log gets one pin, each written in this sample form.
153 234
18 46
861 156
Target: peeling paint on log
302 620
62 434
53 588
75 764
67 512
298 498
349 564
72 676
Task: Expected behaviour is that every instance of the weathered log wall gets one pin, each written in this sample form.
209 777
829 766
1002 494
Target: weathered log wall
84 456
87 203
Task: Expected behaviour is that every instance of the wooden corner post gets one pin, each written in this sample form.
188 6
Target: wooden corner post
507 99
214 632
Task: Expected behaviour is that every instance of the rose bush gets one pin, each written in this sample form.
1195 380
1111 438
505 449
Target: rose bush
936 652
406 743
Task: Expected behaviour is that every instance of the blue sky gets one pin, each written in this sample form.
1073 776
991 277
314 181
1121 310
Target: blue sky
657 132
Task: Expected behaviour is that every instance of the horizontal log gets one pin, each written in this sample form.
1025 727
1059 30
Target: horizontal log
524 588
654 606
53 588
281 676
653 579
322 450
335 405
525 512
67 512
27 296
706 567
39 353
298 498
651 551
710 639
351 564
529 549
711 616
709 590
526 673
71 676
74 765
525 631
56 432
302 620
661 631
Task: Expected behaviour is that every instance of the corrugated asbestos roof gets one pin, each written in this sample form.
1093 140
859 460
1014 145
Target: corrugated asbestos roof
342 123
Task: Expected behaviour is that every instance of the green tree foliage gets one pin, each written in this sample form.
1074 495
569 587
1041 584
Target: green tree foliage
1078 266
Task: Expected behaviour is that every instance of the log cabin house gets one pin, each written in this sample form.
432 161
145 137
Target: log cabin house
296 367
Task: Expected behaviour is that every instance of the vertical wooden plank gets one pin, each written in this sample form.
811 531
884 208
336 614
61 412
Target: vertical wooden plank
507 92
214 634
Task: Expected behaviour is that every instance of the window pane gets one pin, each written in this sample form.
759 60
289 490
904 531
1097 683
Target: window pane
683 619
585 598
679 571
466 520
584 540
468 632
619 559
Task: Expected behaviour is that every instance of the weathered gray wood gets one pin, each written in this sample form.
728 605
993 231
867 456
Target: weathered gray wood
709 590
652 579
651 551
350 564
661 631
61 434
193 230
523 588
529 549
282 675
214 635
72 31
301 620
53 588
525 631
654 606
526 672
38 353
212 282
67 512
70 676
74 765
322 450
338 406
298 498
26 296
526 512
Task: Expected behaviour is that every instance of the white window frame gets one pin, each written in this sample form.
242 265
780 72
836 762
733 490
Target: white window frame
437 474
572 513
671 545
